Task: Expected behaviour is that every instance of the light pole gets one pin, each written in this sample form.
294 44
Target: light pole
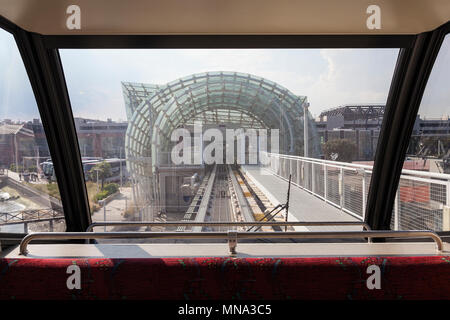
120 159
306 140
16 152
305 131
37 158
102 202
97 170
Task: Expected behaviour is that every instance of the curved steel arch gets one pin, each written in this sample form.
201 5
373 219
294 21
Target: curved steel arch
216 88
178 102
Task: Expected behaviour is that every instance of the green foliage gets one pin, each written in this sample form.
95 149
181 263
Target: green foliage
111 188
92 191
104 171
108 190
434 146
53 190
343 150
50 188
12 167
101 195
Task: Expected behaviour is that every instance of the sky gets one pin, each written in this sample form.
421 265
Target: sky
16 97
328 77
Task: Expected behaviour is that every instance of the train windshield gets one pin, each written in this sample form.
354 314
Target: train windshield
221 135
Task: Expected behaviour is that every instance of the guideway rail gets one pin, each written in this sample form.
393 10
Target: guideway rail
231 236
227 223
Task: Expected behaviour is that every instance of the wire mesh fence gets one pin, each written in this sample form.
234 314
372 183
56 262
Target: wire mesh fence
420 203
421 196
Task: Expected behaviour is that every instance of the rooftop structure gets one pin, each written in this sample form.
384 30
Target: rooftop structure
220 99
101 138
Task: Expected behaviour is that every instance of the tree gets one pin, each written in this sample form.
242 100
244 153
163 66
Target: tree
343 150
104 171
430 146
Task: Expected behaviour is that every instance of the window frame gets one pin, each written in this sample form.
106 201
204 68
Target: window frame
47 81
405 95
42 62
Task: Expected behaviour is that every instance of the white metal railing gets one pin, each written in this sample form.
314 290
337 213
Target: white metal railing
231 236
420 201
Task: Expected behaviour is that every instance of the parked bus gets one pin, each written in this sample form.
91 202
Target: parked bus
88 164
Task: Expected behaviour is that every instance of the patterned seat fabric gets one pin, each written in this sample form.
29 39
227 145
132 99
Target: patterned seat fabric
226 278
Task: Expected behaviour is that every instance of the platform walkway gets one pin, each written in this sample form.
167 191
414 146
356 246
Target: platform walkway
303 206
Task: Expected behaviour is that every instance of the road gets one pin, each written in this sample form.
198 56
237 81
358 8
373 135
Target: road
15 176
114 211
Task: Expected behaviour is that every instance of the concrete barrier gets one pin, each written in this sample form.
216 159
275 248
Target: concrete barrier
111 197
37 196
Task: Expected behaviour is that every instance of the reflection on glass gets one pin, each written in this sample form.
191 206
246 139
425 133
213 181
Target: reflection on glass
29 195
215 135
423 193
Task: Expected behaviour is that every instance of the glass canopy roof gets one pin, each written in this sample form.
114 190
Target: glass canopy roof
232 99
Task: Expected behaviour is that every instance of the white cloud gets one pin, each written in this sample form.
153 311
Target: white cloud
329 77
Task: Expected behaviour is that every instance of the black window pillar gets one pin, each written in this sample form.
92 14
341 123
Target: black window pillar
45 72
411 74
